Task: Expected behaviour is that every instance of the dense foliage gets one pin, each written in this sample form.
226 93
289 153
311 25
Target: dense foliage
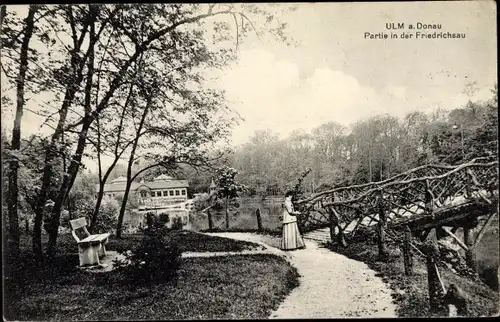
122 81
370 150
155 259
177 224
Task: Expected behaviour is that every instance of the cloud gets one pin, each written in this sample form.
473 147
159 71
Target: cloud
269 94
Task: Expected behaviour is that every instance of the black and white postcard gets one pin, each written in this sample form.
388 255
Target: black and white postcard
193 161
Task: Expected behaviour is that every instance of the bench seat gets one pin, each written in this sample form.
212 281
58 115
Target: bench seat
91 247
94 238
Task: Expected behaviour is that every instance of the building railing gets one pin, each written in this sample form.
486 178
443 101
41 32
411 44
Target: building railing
161 201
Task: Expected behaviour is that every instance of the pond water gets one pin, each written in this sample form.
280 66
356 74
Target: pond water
242 217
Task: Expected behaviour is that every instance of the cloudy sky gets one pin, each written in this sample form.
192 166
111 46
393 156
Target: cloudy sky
334 74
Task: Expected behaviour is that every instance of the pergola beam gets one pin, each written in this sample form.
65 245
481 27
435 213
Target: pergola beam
446 230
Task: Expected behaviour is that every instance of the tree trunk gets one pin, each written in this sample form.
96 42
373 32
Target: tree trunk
259 220
433 285
100 195
335 222
341 237
52 243
69 206
13 193
149 220
382 250
51 150
70 175
37 233
210 221
68 180
117 155
332 225
470 257
227 215
12 203
131 159
382 225
407 255
123 206
431 250
3 13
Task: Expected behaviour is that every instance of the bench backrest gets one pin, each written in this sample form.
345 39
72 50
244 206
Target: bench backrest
80 223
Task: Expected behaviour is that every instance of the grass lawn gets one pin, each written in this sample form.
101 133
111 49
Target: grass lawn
248 286
411 293
188 241
244 287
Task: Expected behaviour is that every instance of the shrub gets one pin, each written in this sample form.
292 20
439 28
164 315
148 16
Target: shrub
64 225
177 224
218 205
107 218
201 202
164 218
129 228
152 220
156 259
251 192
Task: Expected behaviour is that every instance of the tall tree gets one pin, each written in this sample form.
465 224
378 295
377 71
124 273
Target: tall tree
160 29
110 136
3 13
13 193
227 187
147 95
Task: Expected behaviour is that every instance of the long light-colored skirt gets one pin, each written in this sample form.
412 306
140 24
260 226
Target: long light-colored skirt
291 238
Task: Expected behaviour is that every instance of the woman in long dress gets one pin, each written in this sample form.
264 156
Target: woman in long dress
291 238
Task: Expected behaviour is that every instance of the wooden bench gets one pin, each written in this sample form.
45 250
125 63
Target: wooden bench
91 247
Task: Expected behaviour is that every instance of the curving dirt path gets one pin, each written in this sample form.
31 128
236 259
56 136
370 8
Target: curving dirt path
331 285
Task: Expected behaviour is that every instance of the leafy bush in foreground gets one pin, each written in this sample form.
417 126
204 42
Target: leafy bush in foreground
156 259
164 218
177 223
